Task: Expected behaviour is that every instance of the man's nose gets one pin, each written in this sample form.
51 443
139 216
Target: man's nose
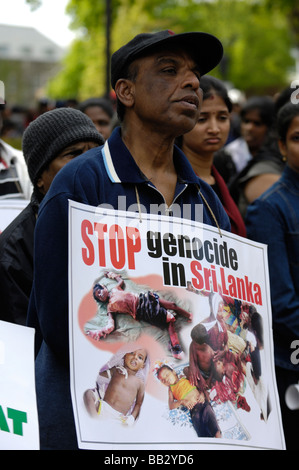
191 79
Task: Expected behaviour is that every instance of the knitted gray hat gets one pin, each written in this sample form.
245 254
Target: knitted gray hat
50 133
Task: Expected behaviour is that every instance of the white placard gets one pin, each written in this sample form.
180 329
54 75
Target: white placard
9 210
18 412
189 264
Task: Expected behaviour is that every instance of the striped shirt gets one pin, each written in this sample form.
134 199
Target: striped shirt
14 179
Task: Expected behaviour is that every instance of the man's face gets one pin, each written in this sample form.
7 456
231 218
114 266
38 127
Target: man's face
166 91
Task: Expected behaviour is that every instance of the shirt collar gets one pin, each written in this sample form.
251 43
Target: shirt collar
291 176
122 168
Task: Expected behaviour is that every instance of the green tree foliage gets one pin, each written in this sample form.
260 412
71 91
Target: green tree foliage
256 40
34 4
128 18
290 9
257 36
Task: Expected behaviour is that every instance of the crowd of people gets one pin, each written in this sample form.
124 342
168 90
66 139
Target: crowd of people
179 143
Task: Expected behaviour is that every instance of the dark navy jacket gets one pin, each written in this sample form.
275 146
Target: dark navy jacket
273 219
97 177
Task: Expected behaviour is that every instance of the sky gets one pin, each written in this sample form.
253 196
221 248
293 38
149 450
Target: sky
50 18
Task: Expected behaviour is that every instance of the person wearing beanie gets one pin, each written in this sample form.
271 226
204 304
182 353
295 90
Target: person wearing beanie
49 142
156 78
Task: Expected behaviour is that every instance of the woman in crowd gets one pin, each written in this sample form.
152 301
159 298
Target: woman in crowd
263 164
101 112
273 219
209 135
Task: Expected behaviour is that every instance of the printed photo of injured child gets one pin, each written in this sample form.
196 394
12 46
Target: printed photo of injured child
223 375
222 355
119 389
126 309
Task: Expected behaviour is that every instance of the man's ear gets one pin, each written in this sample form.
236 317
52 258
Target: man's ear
124 90
40 184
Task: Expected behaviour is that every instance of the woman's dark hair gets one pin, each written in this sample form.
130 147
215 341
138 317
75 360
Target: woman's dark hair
102 103
284 118
264 105
283 98
211 85
257 326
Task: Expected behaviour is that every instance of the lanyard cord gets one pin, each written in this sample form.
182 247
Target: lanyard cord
203 198
138 203
212 213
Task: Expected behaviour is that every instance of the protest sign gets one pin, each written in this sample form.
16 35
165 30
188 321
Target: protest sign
18 411
168 291
9 210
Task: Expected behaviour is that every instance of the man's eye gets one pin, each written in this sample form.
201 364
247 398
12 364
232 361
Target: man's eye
170 70
72 154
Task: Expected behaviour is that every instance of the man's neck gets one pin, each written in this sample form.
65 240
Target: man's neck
153 154
150 150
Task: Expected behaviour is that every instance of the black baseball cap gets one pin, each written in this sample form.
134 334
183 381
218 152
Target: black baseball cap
205 48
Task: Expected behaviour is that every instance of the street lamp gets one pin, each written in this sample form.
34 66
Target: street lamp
108 29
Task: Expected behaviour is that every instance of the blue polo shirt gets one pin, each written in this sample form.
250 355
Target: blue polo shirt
103 175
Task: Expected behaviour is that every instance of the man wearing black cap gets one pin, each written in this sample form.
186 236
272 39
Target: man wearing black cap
49 142
156 80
